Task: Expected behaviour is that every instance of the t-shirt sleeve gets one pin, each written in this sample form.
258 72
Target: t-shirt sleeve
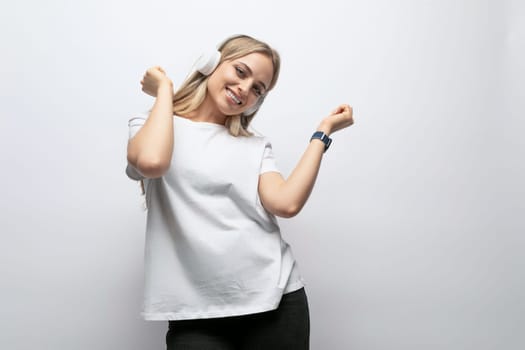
268 160
134 125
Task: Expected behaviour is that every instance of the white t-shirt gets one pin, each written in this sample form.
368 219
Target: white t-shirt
212 250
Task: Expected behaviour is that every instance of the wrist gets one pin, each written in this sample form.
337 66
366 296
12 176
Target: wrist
324 127
321 136
165 85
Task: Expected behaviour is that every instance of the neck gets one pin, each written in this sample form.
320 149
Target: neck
207 112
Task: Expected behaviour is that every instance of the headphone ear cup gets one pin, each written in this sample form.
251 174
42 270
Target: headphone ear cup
207 62
255 107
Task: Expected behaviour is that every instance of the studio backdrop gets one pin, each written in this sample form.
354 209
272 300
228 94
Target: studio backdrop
413 235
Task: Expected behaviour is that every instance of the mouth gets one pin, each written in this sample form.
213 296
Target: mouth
234 97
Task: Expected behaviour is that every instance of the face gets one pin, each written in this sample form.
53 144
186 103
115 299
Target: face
237 85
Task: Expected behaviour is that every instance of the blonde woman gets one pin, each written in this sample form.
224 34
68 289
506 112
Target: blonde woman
216 266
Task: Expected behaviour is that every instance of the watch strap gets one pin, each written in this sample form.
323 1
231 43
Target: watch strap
323 137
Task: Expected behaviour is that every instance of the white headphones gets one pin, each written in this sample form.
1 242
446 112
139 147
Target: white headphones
207 63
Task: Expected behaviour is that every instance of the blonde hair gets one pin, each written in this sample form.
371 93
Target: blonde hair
193 91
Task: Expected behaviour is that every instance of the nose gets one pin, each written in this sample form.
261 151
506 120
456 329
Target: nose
244 87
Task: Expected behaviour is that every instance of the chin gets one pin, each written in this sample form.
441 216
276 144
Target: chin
229 110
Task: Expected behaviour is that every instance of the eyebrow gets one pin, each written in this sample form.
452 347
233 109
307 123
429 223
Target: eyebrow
251 73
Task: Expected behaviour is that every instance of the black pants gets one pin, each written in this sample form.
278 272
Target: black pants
287 327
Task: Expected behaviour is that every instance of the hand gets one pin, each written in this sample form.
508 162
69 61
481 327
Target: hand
153 79
340 118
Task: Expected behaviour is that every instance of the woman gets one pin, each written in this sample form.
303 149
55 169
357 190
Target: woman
216 266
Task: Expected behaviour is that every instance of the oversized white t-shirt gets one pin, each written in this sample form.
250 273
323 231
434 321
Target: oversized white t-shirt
212 250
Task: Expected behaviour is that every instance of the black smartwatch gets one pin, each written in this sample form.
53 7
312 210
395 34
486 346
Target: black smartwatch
323 137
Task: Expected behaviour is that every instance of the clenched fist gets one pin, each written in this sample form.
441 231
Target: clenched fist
153 79
340 118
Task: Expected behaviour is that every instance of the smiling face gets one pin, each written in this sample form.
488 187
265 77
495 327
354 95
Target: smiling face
236 85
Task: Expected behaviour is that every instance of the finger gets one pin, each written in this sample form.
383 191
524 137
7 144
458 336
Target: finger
344 115
342 108
346 109
336 111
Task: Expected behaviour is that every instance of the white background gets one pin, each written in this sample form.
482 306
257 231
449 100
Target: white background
413 236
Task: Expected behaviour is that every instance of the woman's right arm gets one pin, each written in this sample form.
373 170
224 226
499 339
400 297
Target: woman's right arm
150 150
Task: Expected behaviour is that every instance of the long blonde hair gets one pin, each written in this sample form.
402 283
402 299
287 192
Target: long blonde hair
193 91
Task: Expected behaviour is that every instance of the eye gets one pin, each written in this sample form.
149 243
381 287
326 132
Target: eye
258 91
240 71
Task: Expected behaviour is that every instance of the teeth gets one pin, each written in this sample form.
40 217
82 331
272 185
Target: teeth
233 97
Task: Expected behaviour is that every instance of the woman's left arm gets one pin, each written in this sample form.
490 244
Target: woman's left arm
286 198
